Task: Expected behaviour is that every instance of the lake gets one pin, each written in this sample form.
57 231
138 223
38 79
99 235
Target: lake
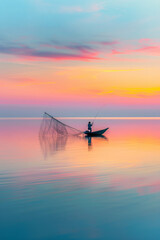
78 188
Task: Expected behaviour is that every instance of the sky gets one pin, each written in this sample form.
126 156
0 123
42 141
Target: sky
80 57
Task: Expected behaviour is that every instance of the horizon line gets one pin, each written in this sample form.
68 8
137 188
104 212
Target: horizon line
83 118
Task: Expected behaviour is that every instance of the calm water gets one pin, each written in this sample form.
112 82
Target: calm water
78 188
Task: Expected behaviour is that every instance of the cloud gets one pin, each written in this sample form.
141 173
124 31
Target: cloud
151 50
95 7
105 43
134 92
147 46
32 54
87 51
122 70
82 48
56 6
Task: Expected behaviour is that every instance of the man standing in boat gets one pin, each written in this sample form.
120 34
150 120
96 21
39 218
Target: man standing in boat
90 126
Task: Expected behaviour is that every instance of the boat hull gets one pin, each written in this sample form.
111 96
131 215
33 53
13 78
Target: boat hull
96 133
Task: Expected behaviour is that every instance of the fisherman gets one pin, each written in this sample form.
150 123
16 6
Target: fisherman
90 126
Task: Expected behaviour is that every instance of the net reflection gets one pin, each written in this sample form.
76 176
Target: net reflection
52 143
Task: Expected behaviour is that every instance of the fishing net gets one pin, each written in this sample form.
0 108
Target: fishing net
53 135
52 126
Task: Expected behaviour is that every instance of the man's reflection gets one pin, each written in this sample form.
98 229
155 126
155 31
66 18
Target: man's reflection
89 143
89 138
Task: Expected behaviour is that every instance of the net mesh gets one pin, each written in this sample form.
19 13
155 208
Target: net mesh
52 126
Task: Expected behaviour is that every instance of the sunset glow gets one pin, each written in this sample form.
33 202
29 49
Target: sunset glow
86 53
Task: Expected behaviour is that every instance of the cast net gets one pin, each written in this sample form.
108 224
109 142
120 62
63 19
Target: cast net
51 125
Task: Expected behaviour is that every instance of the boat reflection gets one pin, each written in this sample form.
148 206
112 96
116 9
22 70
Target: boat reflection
51 143
89 138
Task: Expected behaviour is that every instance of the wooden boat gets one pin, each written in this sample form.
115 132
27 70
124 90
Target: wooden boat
96 133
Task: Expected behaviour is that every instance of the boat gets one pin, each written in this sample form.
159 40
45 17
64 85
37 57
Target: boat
95 133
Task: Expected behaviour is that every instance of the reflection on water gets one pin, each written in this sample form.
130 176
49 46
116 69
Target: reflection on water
90 140
59 187
51 143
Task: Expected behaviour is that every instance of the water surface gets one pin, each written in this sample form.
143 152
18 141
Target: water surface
80 188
